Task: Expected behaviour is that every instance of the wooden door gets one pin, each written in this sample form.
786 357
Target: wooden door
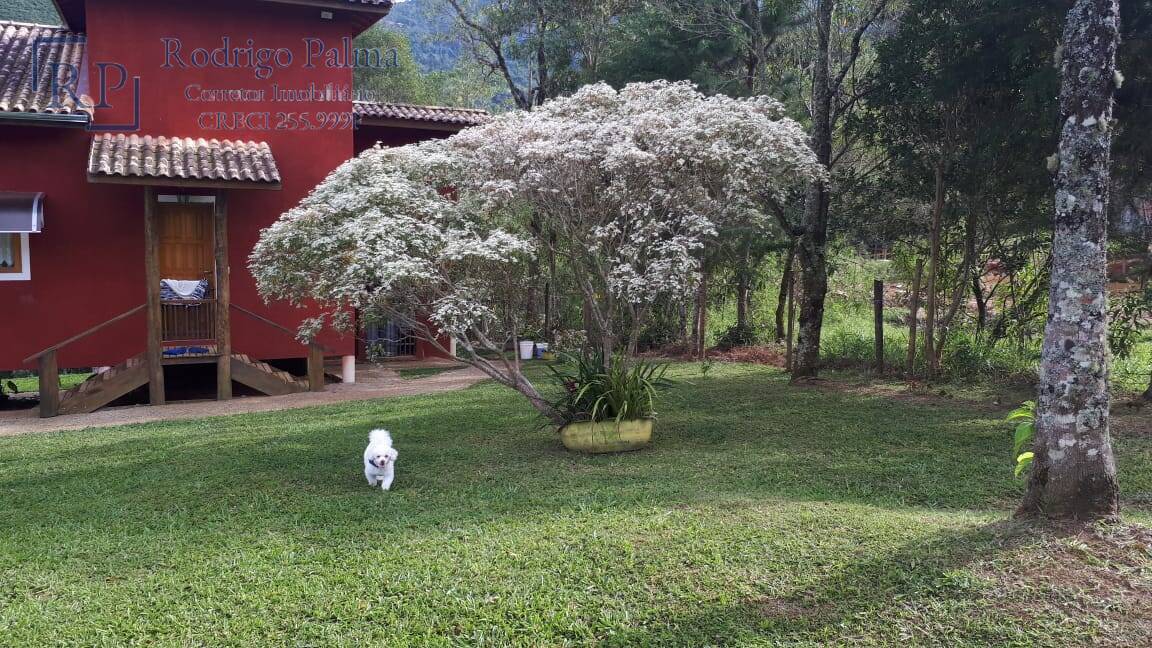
186 242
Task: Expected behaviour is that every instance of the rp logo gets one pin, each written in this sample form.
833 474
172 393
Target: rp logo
66 82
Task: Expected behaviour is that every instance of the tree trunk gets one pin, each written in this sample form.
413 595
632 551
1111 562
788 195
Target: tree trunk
550 293
702 317
914 316
933 274
1074 475
814 238
789 356
782 296
981 301
961 291
744 289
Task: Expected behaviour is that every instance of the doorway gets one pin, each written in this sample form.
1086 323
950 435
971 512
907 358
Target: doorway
186 242
186 253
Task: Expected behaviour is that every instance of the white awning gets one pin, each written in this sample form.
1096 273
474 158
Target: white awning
21 213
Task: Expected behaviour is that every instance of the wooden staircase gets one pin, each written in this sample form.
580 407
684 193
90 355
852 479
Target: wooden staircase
148 368
103 388
265 378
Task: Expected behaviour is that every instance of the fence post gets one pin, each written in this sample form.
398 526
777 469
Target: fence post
913 320
878 307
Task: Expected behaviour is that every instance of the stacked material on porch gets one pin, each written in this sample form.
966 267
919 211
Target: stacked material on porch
178 289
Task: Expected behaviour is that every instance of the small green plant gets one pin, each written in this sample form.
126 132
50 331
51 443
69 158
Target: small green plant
620 390
706 365
1025 419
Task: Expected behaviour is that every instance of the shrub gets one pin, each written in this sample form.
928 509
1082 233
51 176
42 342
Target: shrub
621 391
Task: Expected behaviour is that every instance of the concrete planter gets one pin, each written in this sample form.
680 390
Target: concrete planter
607 436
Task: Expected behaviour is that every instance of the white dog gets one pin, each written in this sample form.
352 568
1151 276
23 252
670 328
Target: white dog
380 459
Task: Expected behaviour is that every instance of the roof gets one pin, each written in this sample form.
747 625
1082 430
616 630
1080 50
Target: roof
135 159
374 113
374 6
72 11
29 55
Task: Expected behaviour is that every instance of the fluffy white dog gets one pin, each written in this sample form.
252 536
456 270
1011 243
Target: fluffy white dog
380 459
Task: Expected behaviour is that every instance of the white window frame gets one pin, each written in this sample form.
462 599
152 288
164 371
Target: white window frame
25 273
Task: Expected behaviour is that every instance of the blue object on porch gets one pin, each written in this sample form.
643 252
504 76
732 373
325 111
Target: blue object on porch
177 351
198 350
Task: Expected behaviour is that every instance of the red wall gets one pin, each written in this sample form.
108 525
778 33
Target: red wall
88 265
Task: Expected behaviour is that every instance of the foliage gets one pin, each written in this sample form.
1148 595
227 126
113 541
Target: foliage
1129 321
738 336
398 79
625 186
1025 431
628 186
402 80
531 45
620 390
706 367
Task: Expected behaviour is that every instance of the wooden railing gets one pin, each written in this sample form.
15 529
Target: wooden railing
188 320
49 368
315 350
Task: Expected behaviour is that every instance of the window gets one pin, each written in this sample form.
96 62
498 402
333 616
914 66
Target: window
14 265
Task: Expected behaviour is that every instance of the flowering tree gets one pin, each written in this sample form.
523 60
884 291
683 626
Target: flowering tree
626 186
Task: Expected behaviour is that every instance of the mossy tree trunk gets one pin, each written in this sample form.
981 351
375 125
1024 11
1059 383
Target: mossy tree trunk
1074 474
812 246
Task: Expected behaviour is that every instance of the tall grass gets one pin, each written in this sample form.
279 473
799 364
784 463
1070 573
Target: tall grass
848 335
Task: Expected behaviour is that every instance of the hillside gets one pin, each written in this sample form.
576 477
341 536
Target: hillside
35 11
428 26
427 23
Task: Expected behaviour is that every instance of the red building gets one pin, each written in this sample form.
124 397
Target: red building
152 140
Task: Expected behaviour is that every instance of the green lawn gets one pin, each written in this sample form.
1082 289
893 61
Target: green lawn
32 383
423 372
763 515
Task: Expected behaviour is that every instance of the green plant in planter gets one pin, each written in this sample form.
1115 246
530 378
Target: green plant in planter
620 391
608 408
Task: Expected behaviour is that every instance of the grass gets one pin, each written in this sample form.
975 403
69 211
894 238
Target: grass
763 515
32 383
423 372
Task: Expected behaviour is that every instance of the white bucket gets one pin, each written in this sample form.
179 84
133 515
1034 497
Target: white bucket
526 349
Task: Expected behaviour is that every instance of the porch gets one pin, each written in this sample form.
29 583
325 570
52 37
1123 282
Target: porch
186 244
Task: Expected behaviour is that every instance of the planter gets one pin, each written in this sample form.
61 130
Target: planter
526 347
607 436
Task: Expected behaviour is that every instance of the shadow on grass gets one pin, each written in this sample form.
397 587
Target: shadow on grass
913 594
477 455
263 492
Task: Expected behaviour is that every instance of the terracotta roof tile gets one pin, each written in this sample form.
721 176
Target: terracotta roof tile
370 110
29 54
178 158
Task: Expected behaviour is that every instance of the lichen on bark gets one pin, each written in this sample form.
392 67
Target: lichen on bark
1074 473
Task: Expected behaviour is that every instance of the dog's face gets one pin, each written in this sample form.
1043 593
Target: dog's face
382 459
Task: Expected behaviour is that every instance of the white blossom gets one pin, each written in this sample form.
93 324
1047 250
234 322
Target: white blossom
626 186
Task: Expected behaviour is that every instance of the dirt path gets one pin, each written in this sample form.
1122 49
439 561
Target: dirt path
372 383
